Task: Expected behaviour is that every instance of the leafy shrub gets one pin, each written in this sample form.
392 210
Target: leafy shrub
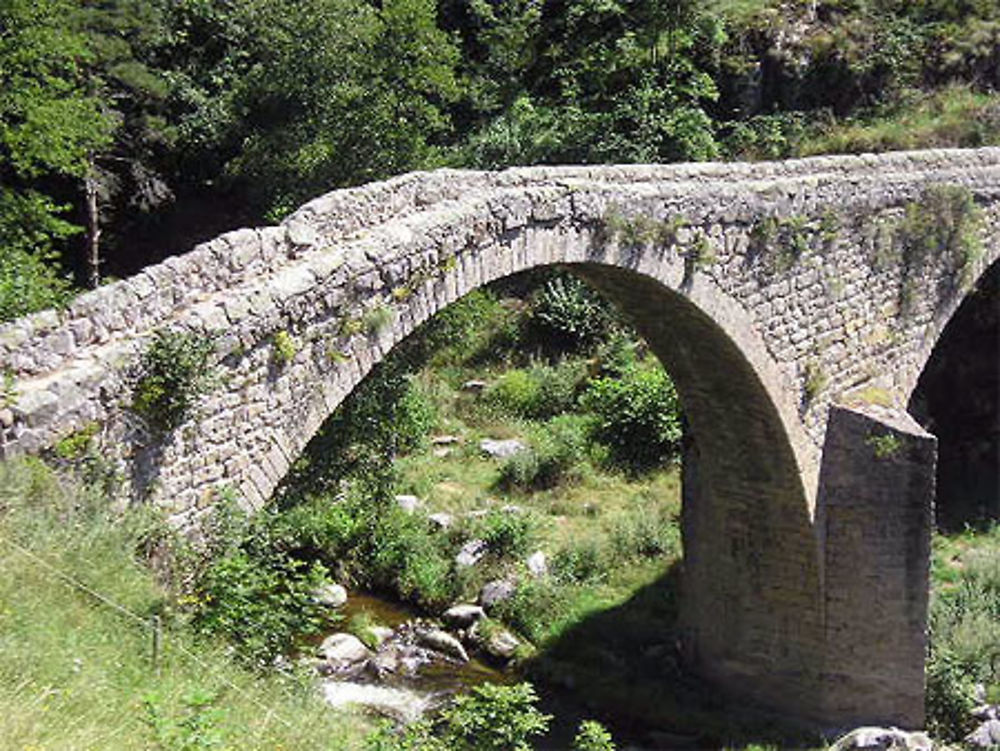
538 392
580 561
965 643
172 373
643 533
260 602
568 315
535 607
476 328
637 417
493 718
507 534
593 736
285 348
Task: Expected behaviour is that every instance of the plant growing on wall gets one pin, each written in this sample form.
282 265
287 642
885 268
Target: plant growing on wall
173 372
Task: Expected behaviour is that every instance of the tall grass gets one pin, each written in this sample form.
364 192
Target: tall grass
77 674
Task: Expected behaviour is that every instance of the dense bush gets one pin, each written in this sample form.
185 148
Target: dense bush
568 315
557 450
262 603
173 372
637 416
965 639
539 391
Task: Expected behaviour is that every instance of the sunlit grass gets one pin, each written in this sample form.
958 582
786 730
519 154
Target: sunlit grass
77 674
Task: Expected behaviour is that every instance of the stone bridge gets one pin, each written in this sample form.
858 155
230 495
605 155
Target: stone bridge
794 303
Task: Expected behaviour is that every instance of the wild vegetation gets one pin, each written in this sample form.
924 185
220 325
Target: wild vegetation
121 122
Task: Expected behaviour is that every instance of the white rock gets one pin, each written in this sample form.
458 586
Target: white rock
538 564
464 614
987 735
409 503
501 449
474 386
443 642
882 739
502 643
441 519
471 553
330 595
444 440
496 591
342 650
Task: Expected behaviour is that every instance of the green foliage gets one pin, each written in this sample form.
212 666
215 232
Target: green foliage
644 533
197 729
173 371
568 315
814 380
943 225
493 718
476 328
507 534
78 669
261 601
965 642
487 718
884 446
593 736
285 348
376 319
551 459
537 392
637 417
387 415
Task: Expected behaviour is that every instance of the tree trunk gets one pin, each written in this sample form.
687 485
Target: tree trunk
92 252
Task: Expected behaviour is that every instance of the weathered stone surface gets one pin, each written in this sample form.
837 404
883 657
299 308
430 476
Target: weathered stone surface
986 736
471 553
408 503
443 642
501 449
343 650
331 595
463 615
538 564
496 591
882 739
441 519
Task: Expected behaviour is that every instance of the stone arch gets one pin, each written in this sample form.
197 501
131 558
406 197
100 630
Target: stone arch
752 588
957 398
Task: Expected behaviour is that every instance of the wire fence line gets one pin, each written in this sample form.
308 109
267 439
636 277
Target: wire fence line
145 623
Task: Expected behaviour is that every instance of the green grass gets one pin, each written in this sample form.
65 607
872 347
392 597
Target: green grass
956 116
77 674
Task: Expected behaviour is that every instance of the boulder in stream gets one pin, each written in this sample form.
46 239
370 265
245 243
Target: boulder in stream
987 735
443 642
501 643
342 651
463 615
330 595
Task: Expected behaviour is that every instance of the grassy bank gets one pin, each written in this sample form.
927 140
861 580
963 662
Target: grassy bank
76 673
